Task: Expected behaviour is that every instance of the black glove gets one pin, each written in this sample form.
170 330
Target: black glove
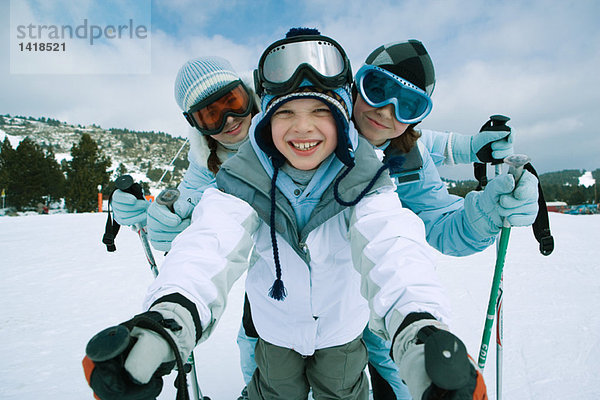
451 370
107 352
434 363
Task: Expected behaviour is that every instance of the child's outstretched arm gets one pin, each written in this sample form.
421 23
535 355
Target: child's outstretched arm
407 301
209 256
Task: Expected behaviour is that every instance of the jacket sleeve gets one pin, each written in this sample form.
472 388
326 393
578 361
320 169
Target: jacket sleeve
195 181
396 264
436 142
208 257
446 224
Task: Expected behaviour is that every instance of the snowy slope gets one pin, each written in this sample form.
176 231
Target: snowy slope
14 140
60 286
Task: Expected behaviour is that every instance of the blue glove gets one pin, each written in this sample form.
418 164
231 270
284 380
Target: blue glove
464 148
500 199
164 225
127 209
185 205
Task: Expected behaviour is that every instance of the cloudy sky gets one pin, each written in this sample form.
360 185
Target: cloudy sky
533 60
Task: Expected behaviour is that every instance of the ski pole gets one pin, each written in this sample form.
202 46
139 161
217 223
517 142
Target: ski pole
516 163
167 197
126 184
499 321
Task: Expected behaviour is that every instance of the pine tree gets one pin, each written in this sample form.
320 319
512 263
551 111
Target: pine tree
55 178
27 178
29 174
7 155
121 170
86 170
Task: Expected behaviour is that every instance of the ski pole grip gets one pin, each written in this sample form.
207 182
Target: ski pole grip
126 184
496 123
515 163
108 344
168 197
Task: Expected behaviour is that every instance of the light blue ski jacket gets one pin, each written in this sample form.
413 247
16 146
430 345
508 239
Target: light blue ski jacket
421 189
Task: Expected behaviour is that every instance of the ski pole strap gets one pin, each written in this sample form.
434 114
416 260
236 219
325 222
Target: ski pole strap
480 171
541 225
111 229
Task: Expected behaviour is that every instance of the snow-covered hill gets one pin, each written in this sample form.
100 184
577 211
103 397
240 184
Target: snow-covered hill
137 151
59 287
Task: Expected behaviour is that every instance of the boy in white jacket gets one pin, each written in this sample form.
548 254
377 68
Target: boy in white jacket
308 210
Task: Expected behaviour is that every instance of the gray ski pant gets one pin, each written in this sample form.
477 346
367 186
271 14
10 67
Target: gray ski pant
332 373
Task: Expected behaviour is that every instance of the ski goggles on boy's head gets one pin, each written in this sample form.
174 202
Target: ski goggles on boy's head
210 115
379 87
285 64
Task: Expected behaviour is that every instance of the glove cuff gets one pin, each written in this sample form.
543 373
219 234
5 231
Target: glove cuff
164 333
486 223
185 336
410 356
458 149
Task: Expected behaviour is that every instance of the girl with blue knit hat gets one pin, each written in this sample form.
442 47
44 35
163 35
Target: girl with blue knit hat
307 209
219 107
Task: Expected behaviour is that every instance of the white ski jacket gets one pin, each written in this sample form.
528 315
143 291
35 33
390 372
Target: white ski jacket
376 249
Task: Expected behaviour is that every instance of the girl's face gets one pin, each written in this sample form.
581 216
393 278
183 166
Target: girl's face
377 125
304 131
235 130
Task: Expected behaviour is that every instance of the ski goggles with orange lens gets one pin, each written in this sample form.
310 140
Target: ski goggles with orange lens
379 87
210 115
286 63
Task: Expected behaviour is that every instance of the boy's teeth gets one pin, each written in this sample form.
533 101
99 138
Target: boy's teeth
305 145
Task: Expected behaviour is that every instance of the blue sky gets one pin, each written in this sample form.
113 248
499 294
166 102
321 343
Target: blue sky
534 61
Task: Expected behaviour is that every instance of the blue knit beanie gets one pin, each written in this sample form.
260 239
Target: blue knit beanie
201 77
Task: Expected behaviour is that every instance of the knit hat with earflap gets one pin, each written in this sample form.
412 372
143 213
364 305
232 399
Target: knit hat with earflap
200 78
408 60
339 102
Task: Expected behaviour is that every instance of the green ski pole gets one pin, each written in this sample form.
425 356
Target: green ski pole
516 163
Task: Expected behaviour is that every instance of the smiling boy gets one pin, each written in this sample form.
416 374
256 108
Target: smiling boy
305 209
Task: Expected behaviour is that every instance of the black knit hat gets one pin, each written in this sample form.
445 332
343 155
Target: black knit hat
409 60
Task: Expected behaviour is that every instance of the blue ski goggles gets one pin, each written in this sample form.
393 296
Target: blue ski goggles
379 87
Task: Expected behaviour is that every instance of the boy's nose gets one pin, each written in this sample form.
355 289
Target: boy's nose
303 124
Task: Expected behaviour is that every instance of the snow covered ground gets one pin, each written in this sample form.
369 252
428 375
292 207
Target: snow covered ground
59 287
